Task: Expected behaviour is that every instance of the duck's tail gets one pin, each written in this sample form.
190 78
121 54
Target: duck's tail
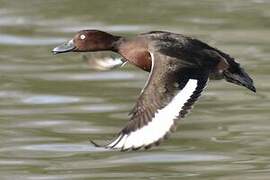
237 75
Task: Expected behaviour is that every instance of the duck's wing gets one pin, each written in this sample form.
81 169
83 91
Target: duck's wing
104 63
169 94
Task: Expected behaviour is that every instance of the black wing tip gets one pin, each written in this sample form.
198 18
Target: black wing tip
96 144
141 148
144 147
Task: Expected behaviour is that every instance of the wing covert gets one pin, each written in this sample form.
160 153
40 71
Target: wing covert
169 94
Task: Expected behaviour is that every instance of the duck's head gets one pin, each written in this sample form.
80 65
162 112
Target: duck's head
88 41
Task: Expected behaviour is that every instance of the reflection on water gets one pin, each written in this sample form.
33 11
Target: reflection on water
52 105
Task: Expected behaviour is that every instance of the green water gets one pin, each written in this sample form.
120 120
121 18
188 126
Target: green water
51 105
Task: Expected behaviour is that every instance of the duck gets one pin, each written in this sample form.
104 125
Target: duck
179 68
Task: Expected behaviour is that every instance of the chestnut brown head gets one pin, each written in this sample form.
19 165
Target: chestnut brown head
88 41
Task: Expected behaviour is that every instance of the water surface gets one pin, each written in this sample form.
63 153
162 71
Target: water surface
52 105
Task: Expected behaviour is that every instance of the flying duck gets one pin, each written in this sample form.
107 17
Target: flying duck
179 67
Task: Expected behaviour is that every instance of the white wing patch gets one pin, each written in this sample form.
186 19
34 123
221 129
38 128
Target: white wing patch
103 64
159 125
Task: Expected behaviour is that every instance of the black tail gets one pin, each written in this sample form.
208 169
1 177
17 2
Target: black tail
234 74
237 75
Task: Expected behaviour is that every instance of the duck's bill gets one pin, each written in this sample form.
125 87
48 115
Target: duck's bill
66 47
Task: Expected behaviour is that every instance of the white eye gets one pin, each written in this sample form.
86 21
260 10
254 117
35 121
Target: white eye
82 36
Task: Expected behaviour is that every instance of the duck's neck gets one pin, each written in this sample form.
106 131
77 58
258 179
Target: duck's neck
116 43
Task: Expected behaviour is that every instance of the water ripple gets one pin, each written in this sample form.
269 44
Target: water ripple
99 76
28 41
99 25
49 99
168 158
63 148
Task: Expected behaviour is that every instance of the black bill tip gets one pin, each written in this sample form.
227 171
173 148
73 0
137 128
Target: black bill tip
63 48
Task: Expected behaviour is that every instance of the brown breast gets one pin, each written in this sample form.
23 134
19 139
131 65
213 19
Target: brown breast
136 52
